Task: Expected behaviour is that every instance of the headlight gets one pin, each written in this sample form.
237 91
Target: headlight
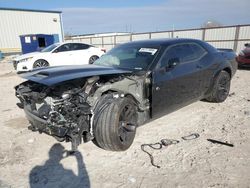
26 59
241 53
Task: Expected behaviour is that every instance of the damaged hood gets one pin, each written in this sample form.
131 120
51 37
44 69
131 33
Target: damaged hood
54 75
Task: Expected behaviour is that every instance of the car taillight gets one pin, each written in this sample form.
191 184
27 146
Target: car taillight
104 50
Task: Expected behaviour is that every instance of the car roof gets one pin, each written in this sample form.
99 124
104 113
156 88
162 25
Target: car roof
163 42
61 43
157 42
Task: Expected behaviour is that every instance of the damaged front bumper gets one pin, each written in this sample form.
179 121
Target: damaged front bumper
42 126
61 112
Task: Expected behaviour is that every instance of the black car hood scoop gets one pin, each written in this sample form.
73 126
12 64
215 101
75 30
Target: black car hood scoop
54 75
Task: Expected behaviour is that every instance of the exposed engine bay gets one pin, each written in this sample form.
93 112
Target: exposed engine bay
67 111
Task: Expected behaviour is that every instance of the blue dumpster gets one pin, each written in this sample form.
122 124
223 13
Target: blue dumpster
1 55
36 42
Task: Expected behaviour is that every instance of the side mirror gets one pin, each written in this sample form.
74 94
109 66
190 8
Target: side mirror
173 62
170 64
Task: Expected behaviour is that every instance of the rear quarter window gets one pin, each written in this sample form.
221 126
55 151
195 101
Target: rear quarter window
78 46
198 51
181 51
186 53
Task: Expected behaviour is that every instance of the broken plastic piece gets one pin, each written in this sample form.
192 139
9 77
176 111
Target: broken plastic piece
191 136
167 142
219 142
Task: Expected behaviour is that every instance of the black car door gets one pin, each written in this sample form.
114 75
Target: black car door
176 79
207 65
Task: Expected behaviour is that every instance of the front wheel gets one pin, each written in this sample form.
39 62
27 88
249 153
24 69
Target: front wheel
115 127
221 88
40 63
92 59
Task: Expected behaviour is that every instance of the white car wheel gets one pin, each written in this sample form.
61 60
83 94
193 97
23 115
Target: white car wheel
40 63
92 59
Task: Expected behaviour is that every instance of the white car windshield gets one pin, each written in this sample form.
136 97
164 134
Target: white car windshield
137 57
50 48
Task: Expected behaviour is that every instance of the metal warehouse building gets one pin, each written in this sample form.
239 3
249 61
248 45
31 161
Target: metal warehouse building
16 22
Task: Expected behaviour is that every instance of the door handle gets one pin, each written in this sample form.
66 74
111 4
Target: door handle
157 88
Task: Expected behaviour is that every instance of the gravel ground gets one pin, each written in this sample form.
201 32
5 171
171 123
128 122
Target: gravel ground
29 159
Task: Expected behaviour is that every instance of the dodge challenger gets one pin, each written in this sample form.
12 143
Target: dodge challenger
132 84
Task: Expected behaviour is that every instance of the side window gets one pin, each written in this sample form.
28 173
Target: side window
186 53
183 53
198 50
64 48
78 46
170 54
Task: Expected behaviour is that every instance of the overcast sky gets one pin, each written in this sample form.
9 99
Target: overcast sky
96 16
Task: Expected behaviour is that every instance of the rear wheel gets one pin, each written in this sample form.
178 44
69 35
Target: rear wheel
115 127
40 63
92 59
221 88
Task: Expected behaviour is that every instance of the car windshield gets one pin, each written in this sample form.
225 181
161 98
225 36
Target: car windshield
50 48
137 57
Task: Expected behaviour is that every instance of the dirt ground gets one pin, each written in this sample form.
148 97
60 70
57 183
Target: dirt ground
30 159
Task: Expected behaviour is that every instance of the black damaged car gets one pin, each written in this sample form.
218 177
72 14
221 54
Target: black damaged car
130 85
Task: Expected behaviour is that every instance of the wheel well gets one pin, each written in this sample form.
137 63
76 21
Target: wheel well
42 60
228 70
132 97
94 56
128 95
108 92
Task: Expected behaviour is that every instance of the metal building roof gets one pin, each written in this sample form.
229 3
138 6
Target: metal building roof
30 10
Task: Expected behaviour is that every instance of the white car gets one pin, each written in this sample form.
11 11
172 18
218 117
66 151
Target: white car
58 54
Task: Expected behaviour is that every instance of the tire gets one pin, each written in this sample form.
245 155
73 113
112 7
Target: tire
115 127
221 88
93 58
40 63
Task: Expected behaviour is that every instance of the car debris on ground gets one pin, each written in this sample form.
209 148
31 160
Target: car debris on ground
165 143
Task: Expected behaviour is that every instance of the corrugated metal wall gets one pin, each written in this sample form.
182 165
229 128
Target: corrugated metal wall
161 35
195 34
14 23
233 37
227 33
140 36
